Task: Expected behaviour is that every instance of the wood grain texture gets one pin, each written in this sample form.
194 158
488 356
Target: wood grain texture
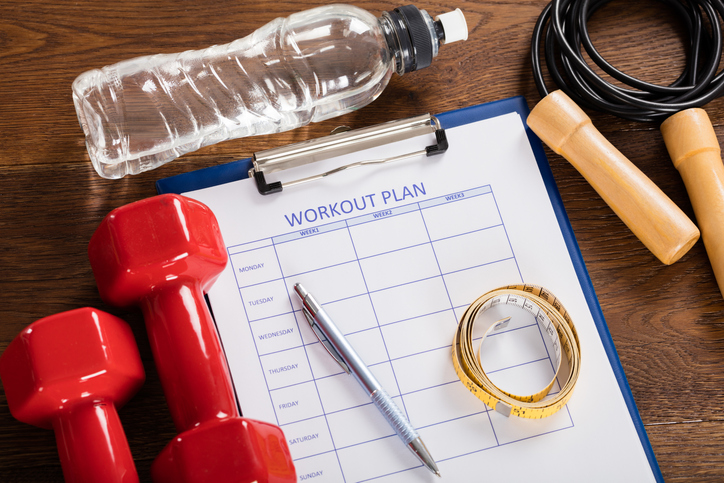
666 321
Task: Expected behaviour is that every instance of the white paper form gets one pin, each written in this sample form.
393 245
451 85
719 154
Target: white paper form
395 254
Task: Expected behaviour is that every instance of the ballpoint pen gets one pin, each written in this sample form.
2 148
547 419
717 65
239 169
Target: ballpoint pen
334 341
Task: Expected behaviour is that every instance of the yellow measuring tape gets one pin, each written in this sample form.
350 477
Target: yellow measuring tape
556 325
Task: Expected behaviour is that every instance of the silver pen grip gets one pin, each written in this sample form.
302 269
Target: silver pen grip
394 415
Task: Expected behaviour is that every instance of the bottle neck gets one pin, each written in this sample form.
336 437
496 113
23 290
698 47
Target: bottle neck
413 37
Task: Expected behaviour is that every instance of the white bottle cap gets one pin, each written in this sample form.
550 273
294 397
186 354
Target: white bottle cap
454 26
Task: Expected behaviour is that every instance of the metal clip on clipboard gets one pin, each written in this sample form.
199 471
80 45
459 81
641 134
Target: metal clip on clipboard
306 152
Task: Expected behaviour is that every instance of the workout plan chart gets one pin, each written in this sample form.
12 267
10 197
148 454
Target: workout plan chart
395 254
404 280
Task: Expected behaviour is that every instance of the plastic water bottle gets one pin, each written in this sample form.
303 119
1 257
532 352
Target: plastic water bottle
313 65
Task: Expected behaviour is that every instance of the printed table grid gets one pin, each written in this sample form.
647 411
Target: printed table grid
396 282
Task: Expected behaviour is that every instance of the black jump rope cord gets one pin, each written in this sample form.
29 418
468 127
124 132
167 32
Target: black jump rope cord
561 30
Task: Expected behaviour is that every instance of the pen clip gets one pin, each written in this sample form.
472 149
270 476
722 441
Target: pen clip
323 340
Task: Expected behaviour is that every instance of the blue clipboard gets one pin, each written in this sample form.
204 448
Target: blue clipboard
237 170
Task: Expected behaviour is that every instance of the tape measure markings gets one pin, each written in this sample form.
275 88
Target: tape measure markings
555 323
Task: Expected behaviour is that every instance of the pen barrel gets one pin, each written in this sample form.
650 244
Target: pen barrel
660 225
695 152
393 415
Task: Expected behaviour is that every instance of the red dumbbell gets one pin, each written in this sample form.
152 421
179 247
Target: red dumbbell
162 254
69 372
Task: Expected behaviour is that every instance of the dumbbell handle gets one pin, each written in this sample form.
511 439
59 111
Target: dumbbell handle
92 445
188 355
660 225
694 149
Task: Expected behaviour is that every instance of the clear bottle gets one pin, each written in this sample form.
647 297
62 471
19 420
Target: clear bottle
313 65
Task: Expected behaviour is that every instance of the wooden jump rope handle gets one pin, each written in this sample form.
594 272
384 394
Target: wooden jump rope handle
660 225
695 151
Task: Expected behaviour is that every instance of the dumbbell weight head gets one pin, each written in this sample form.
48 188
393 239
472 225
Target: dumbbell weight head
69 372
186 458
151 242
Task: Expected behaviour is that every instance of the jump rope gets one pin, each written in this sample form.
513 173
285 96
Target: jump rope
561 33
562 29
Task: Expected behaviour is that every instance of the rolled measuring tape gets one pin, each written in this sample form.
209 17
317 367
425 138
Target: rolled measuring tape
556 325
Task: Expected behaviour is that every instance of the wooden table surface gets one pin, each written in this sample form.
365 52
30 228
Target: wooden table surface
666 321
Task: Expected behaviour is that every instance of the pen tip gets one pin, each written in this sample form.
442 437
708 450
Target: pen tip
300 290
